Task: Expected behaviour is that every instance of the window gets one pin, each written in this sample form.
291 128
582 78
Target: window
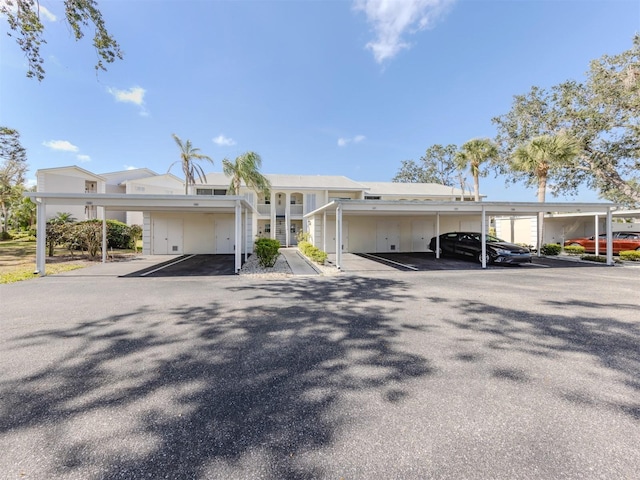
267 228
204 191
219 191
370 197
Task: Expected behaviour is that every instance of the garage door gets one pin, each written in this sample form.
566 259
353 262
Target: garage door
167 236
387 237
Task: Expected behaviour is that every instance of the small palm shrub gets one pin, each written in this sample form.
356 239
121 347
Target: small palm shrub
267 251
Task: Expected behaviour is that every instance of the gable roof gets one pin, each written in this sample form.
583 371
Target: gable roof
77 169
122 176
301 182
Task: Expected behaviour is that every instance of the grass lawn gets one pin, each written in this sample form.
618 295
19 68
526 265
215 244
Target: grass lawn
18 260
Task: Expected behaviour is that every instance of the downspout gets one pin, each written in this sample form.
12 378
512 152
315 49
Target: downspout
41 237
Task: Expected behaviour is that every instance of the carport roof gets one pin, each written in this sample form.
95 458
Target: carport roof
411 207
134 202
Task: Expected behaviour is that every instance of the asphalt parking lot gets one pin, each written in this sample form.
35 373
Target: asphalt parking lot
443 374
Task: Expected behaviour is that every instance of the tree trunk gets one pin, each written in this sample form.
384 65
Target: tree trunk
476 187
542 190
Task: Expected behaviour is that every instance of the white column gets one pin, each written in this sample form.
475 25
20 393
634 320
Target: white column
104 235
597 234
238 237
41 236
437 234
609 238
484 238
339 236
324 230
287 218
244 235
272 216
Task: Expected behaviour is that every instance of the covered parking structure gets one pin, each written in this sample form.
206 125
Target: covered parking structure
235 208
378 224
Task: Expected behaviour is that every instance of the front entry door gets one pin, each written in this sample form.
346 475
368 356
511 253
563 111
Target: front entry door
224 232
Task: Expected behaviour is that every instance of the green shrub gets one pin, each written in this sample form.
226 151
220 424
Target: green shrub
314 253
267 251
550 249
5 236
631 255
574 250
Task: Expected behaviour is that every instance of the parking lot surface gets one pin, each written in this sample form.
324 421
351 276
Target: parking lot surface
508 373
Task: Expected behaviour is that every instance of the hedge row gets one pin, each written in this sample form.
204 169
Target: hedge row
314 253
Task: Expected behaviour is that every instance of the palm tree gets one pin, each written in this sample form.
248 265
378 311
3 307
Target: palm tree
188 155
540 156
246 168
471 155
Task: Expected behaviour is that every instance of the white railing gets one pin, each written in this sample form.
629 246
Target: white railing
264 209
295 209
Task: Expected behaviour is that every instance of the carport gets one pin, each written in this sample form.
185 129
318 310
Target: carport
341 209
237 206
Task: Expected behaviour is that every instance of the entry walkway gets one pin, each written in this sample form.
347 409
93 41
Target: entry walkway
298 264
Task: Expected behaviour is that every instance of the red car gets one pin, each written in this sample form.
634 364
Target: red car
621 241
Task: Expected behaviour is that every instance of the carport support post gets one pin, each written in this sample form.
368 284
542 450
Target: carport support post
41 237
483 229
324 231
609 238
104 235
339 236
438 235
238 239
597 234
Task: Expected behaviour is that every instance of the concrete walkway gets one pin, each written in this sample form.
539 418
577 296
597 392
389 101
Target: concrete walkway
297 262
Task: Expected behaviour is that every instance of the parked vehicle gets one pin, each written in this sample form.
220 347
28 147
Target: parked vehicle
469 245
621 241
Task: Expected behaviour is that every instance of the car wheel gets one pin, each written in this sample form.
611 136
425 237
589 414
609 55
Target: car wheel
487 256
574 244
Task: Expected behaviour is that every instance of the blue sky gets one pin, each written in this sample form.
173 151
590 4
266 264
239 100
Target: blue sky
315 87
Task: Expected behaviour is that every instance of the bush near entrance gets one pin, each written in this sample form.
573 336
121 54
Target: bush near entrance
550 249
267 251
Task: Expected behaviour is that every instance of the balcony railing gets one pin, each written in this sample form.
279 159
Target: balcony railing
264 209
295 209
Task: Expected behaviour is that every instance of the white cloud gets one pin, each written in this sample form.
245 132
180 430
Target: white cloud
40 10
393 19
133 95
130 167
224 141
343 142
62 145
47 14
83 158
